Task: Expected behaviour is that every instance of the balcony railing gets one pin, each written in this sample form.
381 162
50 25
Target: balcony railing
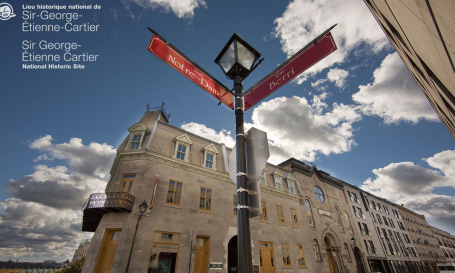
100 203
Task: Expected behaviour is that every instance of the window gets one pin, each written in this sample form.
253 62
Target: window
358 212
406 238
291 186
319 194
262 178
367 246
353 197
264 216
205 199
379 219
374 205
317 253
235 204
174 193
210 153
286 255
386 210
126 185
395 213
278 183
165 249
349 223
380 208
373 218
391 223
209 160
365 228
337 214
295 220
181 152
135 141
373 249
280 214
300 256
385 221
346 251
309 213
182 147
277 178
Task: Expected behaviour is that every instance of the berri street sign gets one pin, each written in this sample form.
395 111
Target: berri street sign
305 58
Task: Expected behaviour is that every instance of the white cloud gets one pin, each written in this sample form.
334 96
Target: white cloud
42 217
414 186
304 20
338 76
201 130
181 8
298 129
394 95
318 84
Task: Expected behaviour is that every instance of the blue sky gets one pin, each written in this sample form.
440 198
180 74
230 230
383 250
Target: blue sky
358 114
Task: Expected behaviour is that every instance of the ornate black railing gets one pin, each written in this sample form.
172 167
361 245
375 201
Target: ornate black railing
150 109
100 203
108 200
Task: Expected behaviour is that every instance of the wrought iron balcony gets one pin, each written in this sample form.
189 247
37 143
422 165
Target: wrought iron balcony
100 203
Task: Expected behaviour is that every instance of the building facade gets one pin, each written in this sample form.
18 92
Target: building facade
81 250
422 237
309 222
446 242
422 33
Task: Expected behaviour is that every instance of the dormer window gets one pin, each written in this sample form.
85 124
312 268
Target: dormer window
262 177
136 142
277 178
182 147
210 153
291 182
137 134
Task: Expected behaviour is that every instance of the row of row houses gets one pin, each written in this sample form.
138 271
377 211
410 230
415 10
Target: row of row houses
309 222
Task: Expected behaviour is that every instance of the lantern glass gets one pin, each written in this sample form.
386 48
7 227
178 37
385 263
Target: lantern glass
143 206
228 59
245 56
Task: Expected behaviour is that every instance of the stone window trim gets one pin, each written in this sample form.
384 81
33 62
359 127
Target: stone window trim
300 256
210 150
137 129
185 141
174 193
309 211
205 199
263 177
286 255
264 217
295 219
317 251
280 215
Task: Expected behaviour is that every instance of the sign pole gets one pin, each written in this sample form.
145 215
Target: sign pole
243 210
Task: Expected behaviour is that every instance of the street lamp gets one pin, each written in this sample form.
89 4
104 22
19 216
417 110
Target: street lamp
353 241
142 208
237 60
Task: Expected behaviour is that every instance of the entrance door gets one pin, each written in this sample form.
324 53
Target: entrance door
266 260
107 251
201 260
330 258
358 260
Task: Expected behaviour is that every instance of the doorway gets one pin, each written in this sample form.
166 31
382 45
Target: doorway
266 259
107 251
201 259
358 260
232 255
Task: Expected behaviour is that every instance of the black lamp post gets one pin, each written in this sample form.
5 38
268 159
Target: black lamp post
142 208
237 60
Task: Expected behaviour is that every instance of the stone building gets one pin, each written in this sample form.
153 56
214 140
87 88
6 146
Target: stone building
192 227
422 33
81 250
446 242
422 237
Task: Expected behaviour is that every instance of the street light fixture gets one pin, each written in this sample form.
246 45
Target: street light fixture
237 61
142 208
353 241
237 58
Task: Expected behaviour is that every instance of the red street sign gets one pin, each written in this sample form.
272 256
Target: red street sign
312 53
190 70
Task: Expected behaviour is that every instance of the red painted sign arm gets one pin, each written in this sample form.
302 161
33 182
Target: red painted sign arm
305 58
185 66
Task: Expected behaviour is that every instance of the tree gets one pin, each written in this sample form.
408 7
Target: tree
75 266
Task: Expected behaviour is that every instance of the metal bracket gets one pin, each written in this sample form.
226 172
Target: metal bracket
240 173
243 207
242 190
240 135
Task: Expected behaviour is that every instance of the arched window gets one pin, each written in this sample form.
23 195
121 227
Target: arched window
309 213
319 194
337 214
348 256
317 253
349 222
